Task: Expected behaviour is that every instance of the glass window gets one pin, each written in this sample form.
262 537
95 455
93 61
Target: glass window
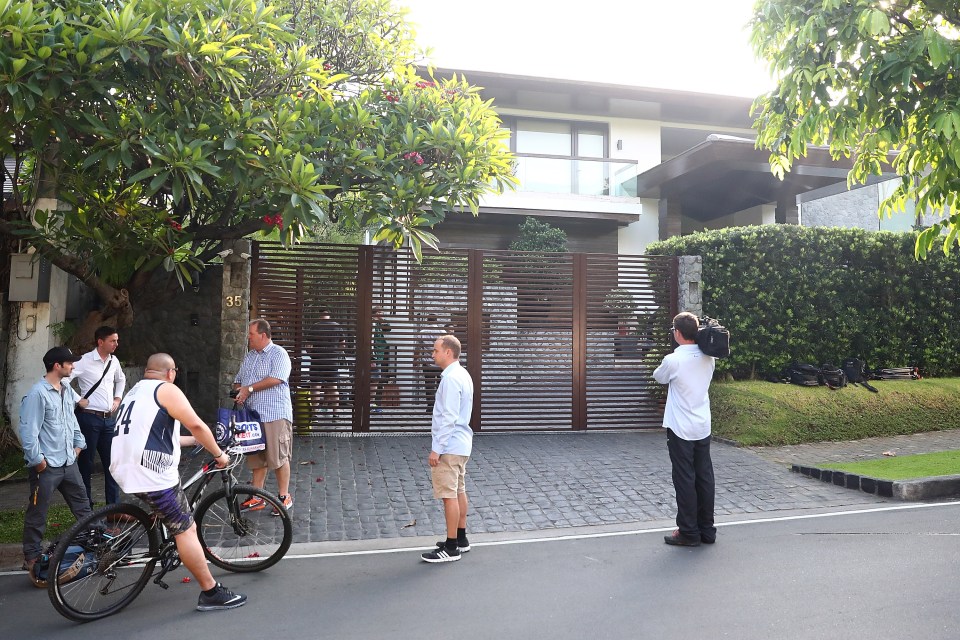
591 143
545 137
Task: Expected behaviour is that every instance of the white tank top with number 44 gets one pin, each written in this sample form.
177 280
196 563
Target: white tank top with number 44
145 452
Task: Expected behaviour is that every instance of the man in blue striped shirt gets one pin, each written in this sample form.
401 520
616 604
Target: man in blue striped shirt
451 448
263 384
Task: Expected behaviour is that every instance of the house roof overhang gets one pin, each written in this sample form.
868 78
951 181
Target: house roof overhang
558 95
724 175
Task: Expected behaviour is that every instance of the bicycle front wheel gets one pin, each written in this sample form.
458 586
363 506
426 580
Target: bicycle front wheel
103 562
242 540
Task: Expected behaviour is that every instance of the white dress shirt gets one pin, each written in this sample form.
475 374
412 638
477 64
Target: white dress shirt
451 412
688 372
88 370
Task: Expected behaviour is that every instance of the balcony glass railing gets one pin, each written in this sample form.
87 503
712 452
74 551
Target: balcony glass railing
578 176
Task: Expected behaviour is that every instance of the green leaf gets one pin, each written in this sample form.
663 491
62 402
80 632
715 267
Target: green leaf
879 23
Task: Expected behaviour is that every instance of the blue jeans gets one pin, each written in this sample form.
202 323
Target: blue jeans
98 432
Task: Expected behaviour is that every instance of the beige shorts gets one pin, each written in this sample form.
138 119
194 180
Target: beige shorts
449 475
279 434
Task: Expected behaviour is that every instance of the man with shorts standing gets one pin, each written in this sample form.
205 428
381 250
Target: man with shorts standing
263 384
145 459
329 343
51 441
451 447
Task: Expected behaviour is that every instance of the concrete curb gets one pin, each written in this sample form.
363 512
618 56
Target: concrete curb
908 490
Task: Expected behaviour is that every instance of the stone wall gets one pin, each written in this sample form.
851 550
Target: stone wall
234 311
854 209
188 328
690 284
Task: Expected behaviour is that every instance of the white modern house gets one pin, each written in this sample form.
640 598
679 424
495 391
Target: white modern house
618 167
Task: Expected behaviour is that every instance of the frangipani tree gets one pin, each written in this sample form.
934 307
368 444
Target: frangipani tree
163 127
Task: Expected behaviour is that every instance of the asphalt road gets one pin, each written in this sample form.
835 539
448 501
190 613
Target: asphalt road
890 572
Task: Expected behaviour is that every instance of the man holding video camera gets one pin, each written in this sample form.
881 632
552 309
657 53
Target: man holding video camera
688 372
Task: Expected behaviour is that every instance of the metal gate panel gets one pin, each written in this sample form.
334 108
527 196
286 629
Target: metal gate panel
527 313
552 341
629 311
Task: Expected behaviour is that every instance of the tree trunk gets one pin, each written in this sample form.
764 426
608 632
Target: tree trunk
117 312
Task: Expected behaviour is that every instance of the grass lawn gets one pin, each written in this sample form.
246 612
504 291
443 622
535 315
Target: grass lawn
923 465
59 519
762 413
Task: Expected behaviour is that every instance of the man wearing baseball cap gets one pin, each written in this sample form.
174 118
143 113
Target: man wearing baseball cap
51 441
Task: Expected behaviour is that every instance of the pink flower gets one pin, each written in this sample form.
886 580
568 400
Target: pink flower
413 156
390 97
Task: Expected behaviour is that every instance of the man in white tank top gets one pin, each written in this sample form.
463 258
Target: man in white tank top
145 457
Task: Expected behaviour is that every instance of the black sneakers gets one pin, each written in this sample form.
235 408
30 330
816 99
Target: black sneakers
222 598
441 554
464 545
678 540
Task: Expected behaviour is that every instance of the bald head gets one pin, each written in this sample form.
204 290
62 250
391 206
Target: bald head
158 365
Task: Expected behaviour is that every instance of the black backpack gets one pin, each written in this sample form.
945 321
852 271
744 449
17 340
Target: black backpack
856 371
804 375
712 338
833 377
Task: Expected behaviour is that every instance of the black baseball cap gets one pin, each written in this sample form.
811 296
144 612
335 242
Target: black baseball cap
59 355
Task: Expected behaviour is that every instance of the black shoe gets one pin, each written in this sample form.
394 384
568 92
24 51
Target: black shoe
706 540
222 598
463 545
441 554
681 541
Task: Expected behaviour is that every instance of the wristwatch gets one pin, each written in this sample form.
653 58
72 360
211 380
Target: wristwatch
250 389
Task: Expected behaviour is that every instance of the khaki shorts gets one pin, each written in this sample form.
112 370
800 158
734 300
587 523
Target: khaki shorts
449 475
279 434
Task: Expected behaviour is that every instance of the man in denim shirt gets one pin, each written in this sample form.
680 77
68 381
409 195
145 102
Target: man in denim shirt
51 441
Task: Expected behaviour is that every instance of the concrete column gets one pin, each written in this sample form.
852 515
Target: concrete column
33 327
236 307
690 284
670 217
787 211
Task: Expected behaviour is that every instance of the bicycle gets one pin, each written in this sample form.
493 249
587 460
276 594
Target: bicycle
121 544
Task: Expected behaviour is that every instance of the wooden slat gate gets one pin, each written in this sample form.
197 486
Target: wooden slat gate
552 341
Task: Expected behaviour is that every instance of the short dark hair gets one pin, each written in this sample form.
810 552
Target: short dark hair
103 333
262 326
687 324
450 342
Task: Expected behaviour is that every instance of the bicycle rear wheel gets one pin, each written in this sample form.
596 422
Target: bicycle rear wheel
112 553
243 541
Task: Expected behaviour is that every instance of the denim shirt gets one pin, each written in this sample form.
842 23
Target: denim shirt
48 426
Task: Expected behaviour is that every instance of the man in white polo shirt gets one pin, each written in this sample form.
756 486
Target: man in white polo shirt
688 372
101 380
451 447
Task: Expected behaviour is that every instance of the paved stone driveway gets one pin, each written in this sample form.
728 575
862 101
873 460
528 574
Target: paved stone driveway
349 488
354 488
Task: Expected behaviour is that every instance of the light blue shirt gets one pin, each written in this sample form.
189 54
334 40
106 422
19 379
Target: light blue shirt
273 362
451 412
48 427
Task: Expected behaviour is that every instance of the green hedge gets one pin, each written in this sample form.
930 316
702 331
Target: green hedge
819 295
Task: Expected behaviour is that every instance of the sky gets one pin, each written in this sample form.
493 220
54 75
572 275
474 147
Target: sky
692 45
